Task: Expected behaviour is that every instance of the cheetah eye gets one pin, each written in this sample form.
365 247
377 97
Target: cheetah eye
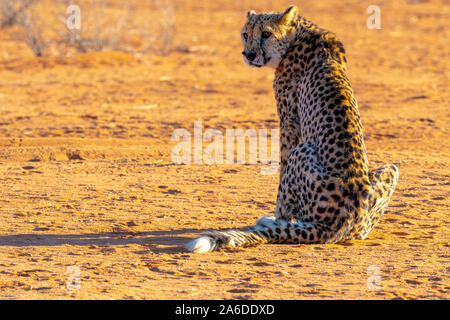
266 35
245 36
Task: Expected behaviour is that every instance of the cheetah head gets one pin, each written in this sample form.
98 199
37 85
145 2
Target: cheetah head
267 37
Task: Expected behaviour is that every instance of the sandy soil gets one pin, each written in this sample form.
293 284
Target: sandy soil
88 184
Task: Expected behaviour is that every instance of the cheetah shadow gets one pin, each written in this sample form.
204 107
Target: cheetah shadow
171 241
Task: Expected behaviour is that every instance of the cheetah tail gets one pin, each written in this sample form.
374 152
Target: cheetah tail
265 231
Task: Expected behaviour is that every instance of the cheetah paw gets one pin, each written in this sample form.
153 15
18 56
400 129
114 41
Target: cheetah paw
265 219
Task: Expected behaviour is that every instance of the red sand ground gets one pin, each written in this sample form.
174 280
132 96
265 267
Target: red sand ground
88 181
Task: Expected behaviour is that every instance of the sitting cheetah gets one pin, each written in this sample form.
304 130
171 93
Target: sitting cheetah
326 193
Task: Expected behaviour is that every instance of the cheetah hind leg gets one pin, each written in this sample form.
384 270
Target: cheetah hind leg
383 181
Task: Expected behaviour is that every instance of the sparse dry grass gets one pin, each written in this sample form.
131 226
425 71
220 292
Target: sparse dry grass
33 34
12 11
104 26
161 41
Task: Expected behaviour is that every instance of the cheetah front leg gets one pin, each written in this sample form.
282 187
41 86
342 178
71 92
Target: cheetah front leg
289 139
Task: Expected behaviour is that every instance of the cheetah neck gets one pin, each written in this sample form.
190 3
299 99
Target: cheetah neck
314 38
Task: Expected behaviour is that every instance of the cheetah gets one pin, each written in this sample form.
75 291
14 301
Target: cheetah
326 192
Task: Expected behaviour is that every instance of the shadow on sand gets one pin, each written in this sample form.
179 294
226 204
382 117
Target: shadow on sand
157 241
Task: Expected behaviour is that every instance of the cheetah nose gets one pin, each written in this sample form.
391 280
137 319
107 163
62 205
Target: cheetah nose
251 55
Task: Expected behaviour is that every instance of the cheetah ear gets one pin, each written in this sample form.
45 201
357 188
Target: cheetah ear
251 13
290 15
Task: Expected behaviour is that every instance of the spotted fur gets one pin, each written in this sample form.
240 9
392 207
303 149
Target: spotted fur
326 192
